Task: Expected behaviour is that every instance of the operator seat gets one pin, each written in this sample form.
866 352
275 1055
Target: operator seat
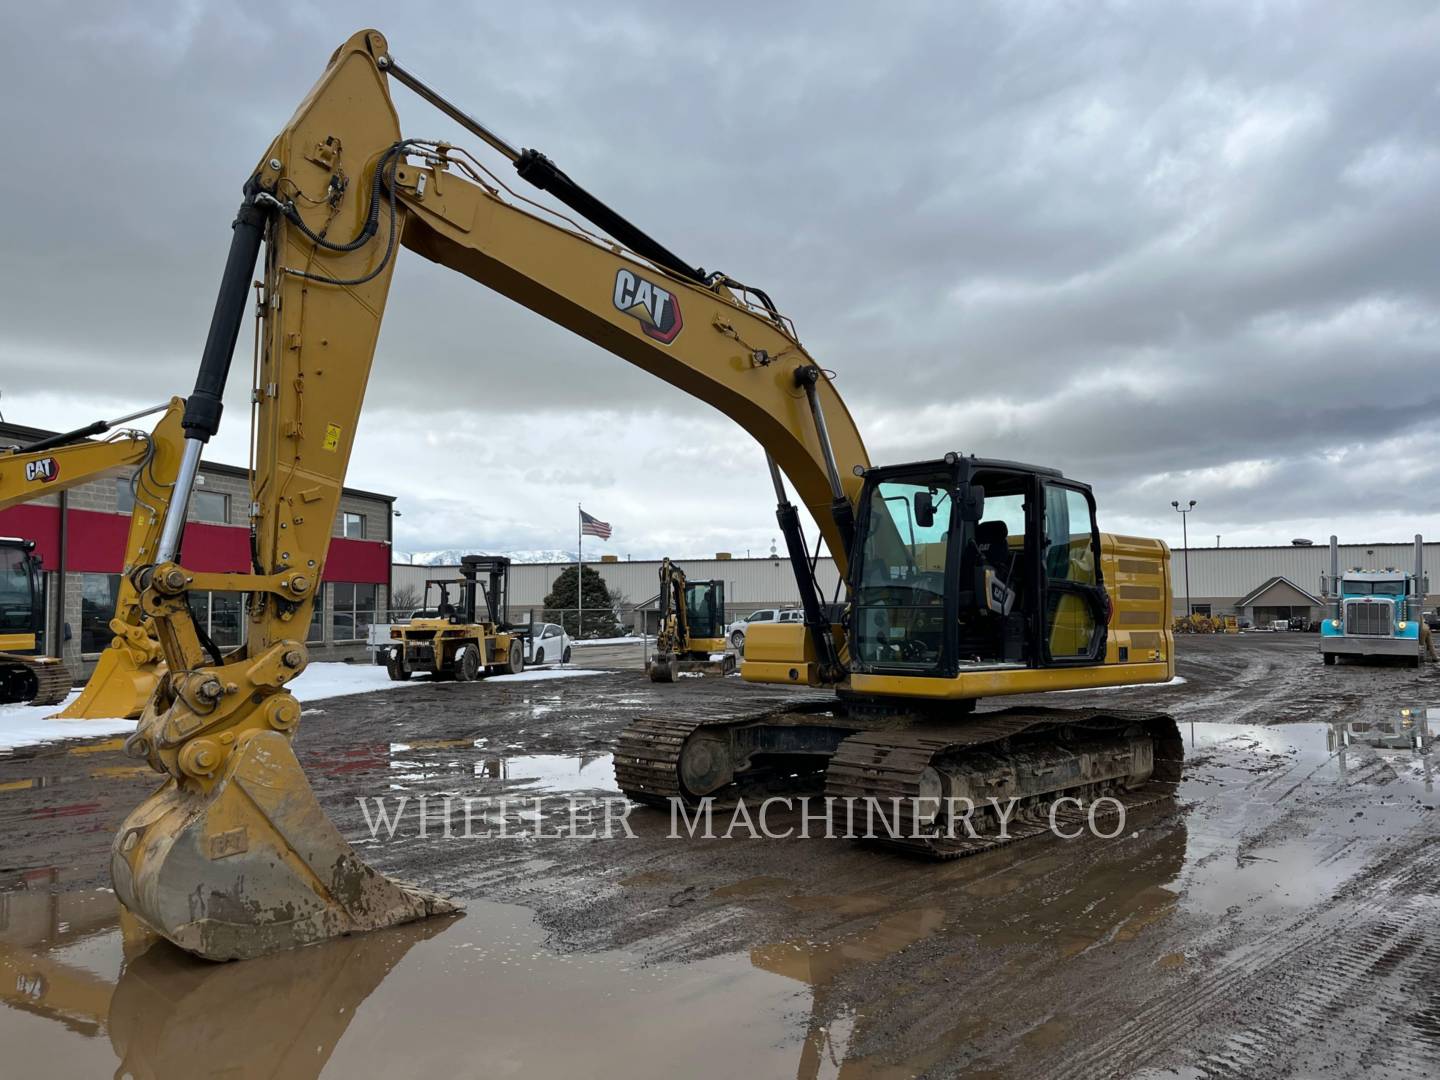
984 634
993 540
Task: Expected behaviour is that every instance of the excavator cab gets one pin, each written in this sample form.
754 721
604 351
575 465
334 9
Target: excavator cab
21 595
24 675
966 564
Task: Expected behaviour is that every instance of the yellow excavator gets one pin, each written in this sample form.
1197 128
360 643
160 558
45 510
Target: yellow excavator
128 670
692 628
964 577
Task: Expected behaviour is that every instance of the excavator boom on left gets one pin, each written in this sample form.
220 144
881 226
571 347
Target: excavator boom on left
129 668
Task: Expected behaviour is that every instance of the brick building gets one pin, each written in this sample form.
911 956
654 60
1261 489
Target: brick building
80 536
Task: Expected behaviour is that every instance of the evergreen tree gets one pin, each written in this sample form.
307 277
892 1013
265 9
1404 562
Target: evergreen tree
601 606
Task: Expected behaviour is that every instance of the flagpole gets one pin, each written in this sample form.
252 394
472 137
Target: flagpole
580 571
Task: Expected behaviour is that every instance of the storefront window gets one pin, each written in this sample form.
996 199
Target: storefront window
221 615
354 609
211 506
227 610
317 618
98 593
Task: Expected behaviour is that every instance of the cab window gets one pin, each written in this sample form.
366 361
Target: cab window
1074 609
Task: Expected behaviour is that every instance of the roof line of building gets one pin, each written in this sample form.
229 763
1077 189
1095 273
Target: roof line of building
1278 579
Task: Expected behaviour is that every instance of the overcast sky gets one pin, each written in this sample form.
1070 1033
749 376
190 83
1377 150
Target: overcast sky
1179 252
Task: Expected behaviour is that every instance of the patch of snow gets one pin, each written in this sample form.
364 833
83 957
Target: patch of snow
25 725
545 673
335 679
632 640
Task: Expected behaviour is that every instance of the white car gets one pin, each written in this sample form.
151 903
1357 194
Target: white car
736 630
548 644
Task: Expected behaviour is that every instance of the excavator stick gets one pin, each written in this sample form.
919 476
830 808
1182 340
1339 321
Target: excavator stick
252 866
233 857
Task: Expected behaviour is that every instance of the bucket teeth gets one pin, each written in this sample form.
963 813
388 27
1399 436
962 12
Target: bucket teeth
252 866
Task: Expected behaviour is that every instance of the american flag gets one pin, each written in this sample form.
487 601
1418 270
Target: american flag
593 526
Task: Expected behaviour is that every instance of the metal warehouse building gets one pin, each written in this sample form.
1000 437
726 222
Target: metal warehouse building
749 583
1258 583
1265 583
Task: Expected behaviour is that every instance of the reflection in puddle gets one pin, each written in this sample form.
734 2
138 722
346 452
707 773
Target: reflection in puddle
499 773
477 995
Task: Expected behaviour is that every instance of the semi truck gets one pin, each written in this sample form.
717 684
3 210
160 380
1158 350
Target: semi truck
1374 612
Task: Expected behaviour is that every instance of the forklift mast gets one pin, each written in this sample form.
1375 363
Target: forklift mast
495 569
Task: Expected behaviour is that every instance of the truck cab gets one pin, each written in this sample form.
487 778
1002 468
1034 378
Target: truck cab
1376 613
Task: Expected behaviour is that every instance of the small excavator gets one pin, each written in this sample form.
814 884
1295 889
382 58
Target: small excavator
964 578
128 670
692 628
457 643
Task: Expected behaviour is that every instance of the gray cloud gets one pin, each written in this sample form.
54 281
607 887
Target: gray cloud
1180 251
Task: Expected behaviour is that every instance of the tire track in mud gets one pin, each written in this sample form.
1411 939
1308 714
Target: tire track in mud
1365 962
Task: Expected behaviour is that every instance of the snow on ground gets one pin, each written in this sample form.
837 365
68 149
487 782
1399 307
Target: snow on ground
634 639
23 725
537 674
340 680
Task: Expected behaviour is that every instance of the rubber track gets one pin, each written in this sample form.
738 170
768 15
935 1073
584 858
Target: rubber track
53 679
886 765
647 753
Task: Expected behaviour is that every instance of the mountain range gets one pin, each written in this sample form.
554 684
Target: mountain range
451 556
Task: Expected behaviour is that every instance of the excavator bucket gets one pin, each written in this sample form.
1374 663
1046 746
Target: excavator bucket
119 688
253 865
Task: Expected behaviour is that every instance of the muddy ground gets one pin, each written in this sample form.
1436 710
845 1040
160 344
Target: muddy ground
1278 918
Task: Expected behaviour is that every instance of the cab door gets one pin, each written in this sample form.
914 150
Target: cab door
1075 608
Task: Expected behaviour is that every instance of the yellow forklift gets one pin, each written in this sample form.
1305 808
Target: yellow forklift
460 640
692 627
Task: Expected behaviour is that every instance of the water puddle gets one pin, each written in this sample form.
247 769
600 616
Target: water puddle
479 995
481 771
1285 814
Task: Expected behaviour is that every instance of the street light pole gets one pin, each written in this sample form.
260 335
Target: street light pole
1185 534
